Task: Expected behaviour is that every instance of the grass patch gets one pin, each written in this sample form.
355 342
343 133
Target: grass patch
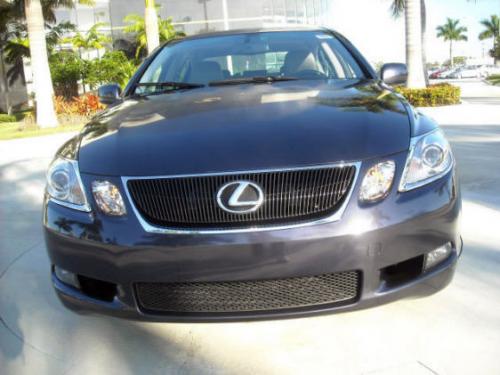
494 79
20 130
7 118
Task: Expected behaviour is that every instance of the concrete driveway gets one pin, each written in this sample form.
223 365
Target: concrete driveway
456 331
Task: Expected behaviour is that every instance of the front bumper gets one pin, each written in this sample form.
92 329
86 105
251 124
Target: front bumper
367 239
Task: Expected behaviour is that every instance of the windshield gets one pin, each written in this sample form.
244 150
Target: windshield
297 54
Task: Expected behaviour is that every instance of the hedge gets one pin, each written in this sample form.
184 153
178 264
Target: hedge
494 79
432 96
7 118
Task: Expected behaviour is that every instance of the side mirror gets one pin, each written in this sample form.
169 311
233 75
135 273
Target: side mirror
109 94
394 73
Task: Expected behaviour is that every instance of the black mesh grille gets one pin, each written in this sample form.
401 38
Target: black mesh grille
248 296
289 197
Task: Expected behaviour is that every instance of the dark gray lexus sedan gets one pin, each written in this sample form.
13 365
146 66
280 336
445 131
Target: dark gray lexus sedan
252 174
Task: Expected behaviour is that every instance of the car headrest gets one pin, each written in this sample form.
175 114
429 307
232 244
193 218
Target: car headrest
205 71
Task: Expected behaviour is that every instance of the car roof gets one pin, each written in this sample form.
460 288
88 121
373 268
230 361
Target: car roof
256 30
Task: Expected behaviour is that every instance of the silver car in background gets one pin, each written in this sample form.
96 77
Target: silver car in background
467 72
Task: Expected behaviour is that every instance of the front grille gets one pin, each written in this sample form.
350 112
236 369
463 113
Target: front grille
248 296
291 196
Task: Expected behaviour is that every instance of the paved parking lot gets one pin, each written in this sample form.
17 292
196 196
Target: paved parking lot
456 331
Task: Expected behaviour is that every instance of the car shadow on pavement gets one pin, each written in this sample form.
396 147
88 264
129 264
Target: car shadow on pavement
83 344
34 323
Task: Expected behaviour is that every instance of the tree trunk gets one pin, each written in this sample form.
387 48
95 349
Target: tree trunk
6 84
205 14
423 15
414 44
496 50
451 54
151 26
42 81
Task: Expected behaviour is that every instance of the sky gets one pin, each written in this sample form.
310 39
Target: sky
381 38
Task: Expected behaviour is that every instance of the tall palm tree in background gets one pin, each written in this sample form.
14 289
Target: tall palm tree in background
492 30
397 9
413 26
452 31
34 14
151 25
42 81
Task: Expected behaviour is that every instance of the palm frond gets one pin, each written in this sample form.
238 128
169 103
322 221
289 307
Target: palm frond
452 31
397 8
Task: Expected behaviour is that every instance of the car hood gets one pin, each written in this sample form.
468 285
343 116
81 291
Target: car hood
245 127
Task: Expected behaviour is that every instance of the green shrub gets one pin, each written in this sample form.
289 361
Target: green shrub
7 118
113 67
66 68
494 79
432 96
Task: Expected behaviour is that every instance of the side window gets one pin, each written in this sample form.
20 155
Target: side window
153 74
326 65
344 63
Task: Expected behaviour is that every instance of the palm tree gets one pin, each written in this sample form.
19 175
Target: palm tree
56 33
492 30
151 25
413 24
92 39
33 12
397 9
452 32
42 81
136 25
16 45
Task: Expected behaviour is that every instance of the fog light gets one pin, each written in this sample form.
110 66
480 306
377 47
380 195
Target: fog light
437 256
67 277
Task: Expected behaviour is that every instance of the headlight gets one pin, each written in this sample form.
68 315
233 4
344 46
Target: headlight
430 158
64 185
108 198
377 181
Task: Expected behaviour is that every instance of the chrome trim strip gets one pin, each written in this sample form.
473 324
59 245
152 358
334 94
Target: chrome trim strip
164 230
85 208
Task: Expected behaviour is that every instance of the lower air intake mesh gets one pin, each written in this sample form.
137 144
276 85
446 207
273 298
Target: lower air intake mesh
248 296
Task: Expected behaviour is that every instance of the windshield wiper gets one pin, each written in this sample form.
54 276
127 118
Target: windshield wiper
168 86
240 81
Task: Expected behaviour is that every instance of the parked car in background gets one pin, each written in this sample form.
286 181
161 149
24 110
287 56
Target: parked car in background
432 73
252 174
447 73
437 73
467 72
489 70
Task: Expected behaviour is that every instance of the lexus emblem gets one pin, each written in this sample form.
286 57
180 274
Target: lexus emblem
240 197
